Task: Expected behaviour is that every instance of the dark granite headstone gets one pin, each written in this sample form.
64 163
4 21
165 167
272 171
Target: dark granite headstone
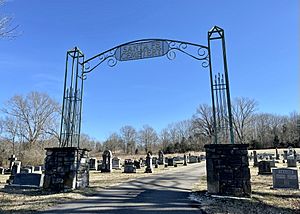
93 164
137 164
116 163
285 154
161 158
170 161
107 161
185 160
264 168
291 163
28 179
129 166
255 162
285 178
149 167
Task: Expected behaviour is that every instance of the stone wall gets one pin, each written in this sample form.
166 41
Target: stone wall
66 169
228 170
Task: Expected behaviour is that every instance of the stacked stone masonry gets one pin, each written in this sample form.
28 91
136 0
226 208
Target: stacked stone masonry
228 170
66 169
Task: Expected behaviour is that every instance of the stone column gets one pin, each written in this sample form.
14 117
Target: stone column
227 169
107 161
66 168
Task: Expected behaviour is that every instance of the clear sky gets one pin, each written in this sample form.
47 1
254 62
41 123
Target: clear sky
262 41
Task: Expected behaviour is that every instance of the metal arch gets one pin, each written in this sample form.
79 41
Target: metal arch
199 52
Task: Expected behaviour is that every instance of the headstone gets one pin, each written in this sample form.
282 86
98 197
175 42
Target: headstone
264 168
137 164
38 169
28 180
291 162
12 159
255 162
129 166
154 160
16 167
116 163
149 167
285 154
193 159
277 154
184 160
170 161
285 178
107 161
1 171
93 164
161 158
25 170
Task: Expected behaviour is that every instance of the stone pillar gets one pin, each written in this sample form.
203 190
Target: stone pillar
66 168
149 168
227 169
255 162
285 154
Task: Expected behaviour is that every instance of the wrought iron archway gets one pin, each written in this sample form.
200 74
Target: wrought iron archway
77 68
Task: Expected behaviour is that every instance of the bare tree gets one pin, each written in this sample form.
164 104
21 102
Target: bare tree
7 29
113 143
147 138
35 115
202 121
128 135
243 110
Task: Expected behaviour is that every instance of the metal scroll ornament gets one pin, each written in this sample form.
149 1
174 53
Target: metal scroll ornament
143 49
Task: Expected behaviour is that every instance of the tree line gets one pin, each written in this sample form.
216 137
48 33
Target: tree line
30 123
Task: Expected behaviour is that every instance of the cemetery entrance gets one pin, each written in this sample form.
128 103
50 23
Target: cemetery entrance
66 166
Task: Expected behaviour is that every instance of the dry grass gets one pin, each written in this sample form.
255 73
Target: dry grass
264 199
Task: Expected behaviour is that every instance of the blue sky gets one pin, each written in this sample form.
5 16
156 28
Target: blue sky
262 41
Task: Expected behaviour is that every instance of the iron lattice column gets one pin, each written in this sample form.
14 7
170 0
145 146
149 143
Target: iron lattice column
221 104
72 99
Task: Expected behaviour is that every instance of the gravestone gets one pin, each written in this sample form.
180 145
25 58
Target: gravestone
285 178
149 167
12 159
161 158
277 154
285 154
291 162
129 166
255 162
1 171
154 160
185 160
28 180
272 163
25 170
251 156
16 167
227 169
137 164
107 161
116 163
264 168
171 162
93 164
193 159
38 169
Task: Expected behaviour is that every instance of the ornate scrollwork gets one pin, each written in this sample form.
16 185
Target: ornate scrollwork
148 48
197 52
108 56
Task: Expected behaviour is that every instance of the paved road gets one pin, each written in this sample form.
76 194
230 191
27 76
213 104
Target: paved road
162 193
